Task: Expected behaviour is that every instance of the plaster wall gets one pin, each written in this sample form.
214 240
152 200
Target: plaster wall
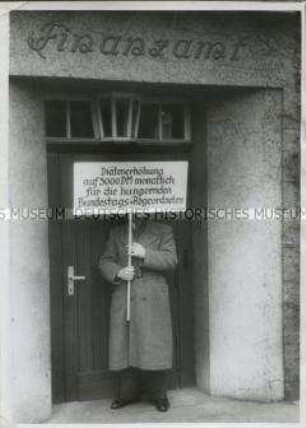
202 48
244 164
30 382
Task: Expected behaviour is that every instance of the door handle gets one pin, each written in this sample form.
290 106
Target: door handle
71 277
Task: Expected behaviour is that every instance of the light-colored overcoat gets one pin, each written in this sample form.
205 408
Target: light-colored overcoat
148 343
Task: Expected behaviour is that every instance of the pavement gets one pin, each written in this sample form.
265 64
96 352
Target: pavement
187 405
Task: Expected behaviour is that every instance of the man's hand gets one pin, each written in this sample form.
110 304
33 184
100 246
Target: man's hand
127 273
137 250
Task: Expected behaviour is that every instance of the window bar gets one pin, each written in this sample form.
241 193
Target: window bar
95 119
130 117
137 120
100 120
68 121
160 123
187 132
114 117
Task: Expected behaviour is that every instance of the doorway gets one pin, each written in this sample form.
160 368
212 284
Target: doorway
233 139
80 321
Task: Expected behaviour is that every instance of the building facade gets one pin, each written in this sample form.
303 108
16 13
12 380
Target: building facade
235 300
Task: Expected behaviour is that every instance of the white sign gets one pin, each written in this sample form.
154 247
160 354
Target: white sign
120 187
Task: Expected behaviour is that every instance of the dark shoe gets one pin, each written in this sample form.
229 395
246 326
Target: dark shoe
118 403
162 404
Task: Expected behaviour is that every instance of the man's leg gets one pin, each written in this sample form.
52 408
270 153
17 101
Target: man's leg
126 387
155 382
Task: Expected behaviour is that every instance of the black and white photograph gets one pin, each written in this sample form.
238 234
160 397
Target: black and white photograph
152 202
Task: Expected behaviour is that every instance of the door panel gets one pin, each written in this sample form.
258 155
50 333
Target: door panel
80 322
86 312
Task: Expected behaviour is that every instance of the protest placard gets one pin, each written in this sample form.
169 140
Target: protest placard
116 187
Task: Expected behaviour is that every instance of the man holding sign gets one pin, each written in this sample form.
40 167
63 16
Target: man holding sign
135 262
140 351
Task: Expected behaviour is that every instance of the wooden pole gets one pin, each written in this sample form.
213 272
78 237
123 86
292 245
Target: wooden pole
128 294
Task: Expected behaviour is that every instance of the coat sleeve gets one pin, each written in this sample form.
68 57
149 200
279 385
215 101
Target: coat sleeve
108 263
165 258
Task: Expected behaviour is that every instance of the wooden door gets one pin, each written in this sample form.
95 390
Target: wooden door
80 321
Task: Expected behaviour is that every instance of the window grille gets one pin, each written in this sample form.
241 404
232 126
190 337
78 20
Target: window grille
117 117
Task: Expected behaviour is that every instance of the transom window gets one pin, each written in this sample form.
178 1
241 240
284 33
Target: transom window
117 117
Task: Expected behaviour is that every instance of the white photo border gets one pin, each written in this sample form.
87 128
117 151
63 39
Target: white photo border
220 6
